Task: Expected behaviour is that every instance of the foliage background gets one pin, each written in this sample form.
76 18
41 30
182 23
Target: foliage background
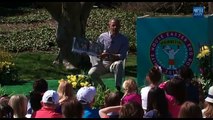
42 36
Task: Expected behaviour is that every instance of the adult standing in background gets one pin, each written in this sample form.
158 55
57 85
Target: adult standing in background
116 46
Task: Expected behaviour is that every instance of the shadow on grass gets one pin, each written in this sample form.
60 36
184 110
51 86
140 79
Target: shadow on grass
131 71
20 82
60 71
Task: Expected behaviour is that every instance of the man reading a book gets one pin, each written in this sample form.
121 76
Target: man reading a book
116 46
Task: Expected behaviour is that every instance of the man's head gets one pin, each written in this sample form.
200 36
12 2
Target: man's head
114 26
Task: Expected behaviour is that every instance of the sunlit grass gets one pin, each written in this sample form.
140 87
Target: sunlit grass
35 65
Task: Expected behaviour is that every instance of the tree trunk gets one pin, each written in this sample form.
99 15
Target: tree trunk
71 20
210 7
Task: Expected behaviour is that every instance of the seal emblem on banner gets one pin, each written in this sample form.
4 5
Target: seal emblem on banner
171 50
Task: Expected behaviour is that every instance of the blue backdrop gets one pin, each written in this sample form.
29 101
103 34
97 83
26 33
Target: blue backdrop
170 42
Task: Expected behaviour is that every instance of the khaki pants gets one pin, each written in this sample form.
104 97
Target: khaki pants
103 67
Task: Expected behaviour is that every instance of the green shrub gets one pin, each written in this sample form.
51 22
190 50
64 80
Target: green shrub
100 96
40 38
30 40
205 65
31 15
5 56
8 71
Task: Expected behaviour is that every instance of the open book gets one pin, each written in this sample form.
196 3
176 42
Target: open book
83 45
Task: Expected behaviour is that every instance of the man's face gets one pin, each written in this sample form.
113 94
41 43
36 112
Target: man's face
114 27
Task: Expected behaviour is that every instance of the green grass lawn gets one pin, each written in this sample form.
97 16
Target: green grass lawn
26 87
35 65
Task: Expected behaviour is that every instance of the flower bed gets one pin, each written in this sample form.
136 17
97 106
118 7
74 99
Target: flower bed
8 73
78 80
206 68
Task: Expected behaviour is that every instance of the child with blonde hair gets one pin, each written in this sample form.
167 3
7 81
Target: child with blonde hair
130 97
65 92
130 92
19 104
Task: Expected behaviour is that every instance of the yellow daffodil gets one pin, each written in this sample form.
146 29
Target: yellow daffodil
204 48
86 84
81 76
68 77
69 81
199 56
7 65
206 52
82 84
78 80
74 84
73 78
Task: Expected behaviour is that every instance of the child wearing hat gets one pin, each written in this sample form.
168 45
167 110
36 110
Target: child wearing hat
208 106
49 103
86 96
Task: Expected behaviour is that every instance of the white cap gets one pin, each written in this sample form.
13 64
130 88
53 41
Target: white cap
209 98
50 96
86 94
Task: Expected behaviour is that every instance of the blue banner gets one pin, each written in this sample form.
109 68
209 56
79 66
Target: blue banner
170 42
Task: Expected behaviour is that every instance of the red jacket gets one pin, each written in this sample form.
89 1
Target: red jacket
46 112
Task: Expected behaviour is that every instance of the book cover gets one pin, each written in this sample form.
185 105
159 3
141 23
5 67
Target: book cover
83 45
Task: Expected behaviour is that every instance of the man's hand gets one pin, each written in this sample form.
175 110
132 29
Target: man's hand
104 55
109 56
